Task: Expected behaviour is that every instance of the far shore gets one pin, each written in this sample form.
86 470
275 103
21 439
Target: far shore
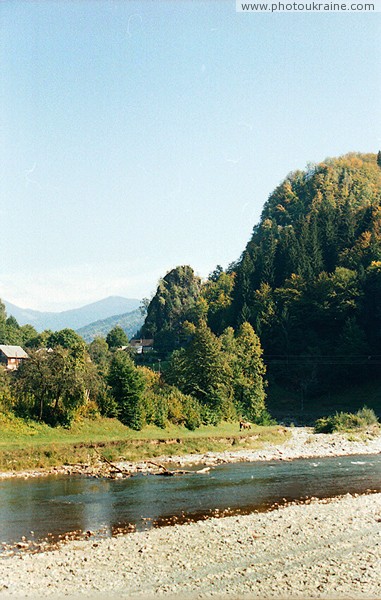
302 443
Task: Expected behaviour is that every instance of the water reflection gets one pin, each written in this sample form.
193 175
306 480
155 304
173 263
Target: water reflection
59 504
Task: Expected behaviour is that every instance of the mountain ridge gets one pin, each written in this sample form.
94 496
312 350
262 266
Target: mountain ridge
130 322
74 318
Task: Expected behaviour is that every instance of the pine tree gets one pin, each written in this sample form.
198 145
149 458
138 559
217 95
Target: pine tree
127 386
313 248
352 351
267 252
199 370
249 374
379 158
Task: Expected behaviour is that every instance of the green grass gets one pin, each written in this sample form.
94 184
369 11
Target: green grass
30 445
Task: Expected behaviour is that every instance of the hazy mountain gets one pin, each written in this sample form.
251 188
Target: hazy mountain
74 318
131 322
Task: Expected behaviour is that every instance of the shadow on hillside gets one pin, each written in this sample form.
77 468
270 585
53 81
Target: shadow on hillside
290 407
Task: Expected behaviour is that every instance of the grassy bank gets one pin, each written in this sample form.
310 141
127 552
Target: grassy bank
35 445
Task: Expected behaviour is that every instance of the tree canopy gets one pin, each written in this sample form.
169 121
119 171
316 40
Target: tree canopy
116 338
176 301
309 270
302 306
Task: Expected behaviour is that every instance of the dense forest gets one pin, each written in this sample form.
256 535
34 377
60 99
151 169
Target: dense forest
301 308
308 281
210 379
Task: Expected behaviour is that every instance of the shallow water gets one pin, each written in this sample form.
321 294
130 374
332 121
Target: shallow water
55 505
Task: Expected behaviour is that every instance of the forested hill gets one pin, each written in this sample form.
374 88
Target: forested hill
74 318
130 323
309 280
326 217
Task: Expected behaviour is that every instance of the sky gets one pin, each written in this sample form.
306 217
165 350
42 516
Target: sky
141 135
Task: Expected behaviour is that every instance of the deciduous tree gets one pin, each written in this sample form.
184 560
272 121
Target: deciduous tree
116 338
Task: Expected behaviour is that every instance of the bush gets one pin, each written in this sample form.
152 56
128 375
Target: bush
368 416
60 416
6 397
107 405
192 413
209 416
89 410
166 404
264 418
176 401
365 417
161 411
324 425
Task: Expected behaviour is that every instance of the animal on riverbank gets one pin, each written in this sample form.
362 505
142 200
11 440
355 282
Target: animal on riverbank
244 425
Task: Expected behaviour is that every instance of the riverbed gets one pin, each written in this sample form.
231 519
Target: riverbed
322 549
39 512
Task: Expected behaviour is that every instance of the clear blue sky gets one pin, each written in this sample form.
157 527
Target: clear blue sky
137 136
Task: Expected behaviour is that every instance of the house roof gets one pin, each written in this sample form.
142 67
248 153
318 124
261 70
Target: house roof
13 351
142 342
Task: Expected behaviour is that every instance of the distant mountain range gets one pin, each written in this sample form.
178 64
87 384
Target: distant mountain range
130 322
76 318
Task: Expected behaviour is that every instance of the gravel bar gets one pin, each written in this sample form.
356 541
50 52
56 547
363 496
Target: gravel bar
321 549
327 548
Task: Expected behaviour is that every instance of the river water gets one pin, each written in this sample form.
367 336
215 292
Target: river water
52 506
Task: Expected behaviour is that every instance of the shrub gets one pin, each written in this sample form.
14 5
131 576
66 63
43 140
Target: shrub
6 398
107 405
342 421
192 413
209 416
324 425
161 411
368 416
175 400
89 410
264 418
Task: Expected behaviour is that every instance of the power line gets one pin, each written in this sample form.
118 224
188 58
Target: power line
284 359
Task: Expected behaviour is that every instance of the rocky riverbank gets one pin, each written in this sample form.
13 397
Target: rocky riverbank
326 548
323 549
302 443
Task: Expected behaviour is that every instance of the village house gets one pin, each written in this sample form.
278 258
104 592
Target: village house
141 346
12 356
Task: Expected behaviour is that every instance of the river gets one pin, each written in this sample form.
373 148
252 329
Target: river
50 507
